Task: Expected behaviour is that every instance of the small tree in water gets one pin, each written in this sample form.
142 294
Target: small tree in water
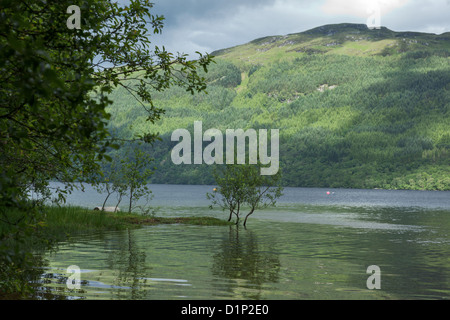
128 177
243 187
135 173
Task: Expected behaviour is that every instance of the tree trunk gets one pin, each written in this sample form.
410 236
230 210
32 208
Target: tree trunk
120 199
237 212
131 199
250 213
103 206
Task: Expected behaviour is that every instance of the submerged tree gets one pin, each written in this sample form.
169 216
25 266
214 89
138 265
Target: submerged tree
230 193
134 175
108 183
243 187
127 176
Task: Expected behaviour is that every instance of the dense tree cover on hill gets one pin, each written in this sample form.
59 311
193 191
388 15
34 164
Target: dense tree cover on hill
356 112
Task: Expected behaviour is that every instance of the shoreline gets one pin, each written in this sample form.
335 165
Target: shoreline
56 224
78 218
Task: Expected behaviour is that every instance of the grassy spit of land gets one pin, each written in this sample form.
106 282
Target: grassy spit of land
70 220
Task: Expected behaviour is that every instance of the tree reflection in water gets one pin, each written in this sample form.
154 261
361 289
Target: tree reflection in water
246 263
129 261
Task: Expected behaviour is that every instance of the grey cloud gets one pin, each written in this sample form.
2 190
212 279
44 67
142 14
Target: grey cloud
419 15
208 25
201 9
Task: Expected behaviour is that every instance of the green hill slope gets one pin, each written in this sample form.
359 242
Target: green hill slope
356 108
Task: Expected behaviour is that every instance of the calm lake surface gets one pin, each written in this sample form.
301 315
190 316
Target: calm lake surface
313 245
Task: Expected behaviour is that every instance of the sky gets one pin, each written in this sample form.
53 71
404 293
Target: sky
208 25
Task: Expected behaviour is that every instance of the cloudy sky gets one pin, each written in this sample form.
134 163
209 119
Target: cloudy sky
208 25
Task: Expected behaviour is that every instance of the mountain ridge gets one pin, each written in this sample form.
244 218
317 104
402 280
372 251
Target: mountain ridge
342 32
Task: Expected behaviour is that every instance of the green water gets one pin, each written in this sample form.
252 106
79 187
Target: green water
293 252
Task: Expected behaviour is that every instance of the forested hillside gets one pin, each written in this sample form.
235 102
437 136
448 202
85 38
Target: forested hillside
356 108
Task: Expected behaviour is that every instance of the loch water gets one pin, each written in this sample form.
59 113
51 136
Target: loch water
315 244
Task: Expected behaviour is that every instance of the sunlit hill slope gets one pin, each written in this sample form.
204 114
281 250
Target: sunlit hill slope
356 108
